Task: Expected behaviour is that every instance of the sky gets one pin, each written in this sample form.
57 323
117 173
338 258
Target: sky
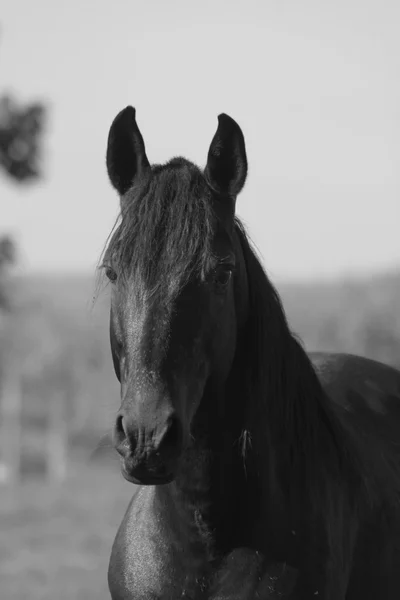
314 85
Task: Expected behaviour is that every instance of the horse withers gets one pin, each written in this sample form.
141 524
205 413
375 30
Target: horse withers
264 472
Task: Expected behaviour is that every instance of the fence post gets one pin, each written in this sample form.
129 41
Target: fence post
57 438
10 423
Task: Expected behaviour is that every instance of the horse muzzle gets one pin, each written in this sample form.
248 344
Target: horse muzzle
149 455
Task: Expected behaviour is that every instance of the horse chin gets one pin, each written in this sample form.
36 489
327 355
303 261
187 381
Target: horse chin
143 476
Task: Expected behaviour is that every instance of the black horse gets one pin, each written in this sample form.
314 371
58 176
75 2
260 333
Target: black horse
263 471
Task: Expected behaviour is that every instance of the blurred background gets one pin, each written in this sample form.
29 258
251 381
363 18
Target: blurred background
315 87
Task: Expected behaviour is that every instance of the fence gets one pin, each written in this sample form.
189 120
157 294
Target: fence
31 444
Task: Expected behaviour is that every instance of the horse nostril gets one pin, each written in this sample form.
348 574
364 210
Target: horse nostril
119 430
120 425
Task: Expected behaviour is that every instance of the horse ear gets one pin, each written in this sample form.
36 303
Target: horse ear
126 154
226 168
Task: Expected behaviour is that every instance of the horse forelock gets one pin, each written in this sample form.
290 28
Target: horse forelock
165 229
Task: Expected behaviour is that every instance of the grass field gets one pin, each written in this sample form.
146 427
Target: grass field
55 541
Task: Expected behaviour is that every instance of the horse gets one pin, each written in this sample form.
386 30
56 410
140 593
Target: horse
263 471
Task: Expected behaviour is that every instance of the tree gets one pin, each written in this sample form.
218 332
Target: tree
21 129
21 132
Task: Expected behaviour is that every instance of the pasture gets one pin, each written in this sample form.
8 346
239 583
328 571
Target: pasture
55 539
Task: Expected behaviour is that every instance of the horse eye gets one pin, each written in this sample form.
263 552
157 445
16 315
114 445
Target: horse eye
223 276
111 274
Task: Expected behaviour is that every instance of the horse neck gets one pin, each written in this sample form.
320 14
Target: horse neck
211 482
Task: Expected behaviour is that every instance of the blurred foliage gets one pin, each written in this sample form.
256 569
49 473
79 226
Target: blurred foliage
21 129
359 317
7 257
7 251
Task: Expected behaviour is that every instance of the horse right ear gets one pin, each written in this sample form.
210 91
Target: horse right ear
126 154
226 169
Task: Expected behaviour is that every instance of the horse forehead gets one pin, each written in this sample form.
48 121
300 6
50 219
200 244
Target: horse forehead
143 301
145 309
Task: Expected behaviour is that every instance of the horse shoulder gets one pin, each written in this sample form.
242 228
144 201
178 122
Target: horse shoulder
364 396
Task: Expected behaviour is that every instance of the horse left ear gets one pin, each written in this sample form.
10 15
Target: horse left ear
226 168
126 154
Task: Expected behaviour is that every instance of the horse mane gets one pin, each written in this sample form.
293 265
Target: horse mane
307 443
